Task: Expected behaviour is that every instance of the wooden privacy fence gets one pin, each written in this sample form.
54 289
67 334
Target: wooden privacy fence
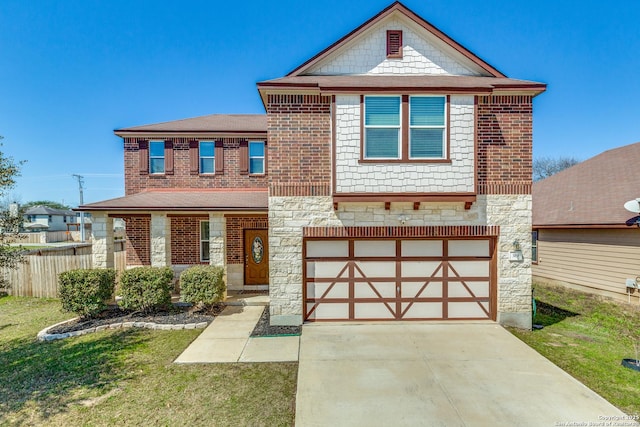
38 277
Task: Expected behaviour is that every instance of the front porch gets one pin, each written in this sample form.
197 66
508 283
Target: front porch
180 229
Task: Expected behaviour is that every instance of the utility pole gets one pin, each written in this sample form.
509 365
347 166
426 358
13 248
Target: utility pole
80 179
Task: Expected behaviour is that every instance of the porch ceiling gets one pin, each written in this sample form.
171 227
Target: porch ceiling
237 199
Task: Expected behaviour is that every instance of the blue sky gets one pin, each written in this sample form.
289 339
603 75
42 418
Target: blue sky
72 71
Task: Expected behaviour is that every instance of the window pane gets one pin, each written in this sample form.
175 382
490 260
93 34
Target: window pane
427 143
204 230
256 165
256 149
204 251
381 143
207 149
382 111
207 165
156 165
427 111
156 148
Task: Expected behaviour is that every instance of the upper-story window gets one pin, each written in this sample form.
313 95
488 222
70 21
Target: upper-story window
256 157
427 127
382 127
404 128
207 157
156 156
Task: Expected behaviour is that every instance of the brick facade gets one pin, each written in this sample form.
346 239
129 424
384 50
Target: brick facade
299 133
235 235
138 245
185 239
135 181
505 138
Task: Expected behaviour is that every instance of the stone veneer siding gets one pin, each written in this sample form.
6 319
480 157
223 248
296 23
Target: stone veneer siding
288 215
135 181
352 176
138 245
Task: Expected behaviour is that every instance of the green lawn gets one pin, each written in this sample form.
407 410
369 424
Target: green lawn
588 337
126 377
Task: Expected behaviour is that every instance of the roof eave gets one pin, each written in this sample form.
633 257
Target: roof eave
140 133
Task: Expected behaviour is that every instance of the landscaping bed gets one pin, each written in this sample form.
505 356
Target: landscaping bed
264 329
178 315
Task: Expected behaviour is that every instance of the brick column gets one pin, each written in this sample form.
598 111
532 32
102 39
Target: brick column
102 240
160 240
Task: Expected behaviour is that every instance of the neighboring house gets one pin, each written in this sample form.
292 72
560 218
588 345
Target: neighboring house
580 224
44 218
389 179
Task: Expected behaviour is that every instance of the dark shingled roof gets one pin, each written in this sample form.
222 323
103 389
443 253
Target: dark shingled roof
590 193
46 210
222 123
186 199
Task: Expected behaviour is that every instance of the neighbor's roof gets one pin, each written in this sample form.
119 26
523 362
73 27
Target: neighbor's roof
46 210
432 83
591 193
214 123
186 199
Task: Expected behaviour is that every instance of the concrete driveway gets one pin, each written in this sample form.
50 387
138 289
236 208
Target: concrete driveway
426 374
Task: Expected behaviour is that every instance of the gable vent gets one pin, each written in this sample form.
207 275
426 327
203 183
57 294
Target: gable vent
394 43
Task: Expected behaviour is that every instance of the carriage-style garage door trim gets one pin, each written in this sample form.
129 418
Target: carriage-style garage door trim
401 278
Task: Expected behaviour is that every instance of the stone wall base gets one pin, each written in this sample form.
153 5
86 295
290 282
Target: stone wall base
235 276
521 320
286 320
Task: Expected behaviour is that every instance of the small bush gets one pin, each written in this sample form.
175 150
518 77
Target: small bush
146 288
86 291
202 284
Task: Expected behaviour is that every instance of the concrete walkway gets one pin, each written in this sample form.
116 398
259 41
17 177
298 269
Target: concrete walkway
455 374
227 340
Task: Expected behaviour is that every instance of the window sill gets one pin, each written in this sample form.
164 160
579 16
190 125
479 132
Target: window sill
406 161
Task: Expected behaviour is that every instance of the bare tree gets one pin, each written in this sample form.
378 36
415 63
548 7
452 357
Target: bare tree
544 167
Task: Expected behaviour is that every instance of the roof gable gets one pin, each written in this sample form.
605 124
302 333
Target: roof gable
426 50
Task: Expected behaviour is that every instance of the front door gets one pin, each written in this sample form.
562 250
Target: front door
256 257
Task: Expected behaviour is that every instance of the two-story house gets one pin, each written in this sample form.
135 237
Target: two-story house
390 179
49 219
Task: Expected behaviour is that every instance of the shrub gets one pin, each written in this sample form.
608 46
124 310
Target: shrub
86 291
146 288
202 284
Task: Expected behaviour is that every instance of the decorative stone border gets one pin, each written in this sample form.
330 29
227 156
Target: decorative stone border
44 334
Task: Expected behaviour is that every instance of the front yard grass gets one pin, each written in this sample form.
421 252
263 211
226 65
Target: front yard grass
588 337
126 377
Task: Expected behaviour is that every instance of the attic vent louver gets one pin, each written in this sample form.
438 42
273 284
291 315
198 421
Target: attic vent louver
394 43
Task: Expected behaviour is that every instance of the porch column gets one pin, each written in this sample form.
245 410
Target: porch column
102 240
217 234
160 240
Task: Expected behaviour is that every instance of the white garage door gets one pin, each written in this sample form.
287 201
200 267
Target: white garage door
398 279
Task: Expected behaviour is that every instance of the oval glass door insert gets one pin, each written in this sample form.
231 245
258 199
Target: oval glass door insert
257 250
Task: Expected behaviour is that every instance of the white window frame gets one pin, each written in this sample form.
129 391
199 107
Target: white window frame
443 127
264 152
208 240
201 157
365 127
151 157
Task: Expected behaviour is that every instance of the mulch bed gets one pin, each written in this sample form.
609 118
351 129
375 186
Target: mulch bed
263 328
176 315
